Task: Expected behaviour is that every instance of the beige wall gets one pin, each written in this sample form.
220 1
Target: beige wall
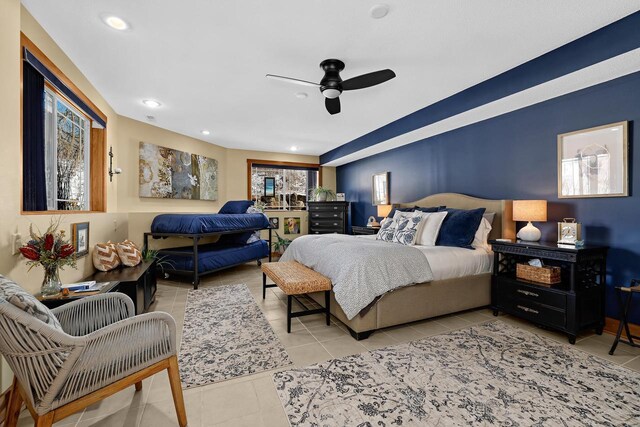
232 176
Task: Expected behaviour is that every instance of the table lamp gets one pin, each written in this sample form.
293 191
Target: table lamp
529 210
383 212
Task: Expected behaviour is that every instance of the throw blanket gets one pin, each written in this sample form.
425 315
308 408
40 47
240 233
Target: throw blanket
360 269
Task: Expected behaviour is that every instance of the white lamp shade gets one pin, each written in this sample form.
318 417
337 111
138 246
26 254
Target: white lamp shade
530 210
384 210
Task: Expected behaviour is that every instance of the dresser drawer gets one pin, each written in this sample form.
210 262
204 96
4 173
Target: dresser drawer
535 312
326 231
326 223
533 294
327 215
326 207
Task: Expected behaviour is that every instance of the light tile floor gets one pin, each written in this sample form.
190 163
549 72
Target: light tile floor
252 400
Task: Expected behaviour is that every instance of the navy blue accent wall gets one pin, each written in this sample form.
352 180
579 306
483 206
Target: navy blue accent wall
513 156
614 39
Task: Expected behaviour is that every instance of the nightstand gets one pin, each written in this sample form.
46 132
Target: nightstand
359 230
574 304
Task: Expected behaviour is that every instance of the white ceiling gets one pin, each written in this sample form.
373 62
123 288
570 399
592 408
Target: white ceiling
206 60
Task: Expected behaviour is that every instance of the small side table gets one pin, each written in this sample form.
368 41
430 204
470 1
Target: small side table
625 292
359 230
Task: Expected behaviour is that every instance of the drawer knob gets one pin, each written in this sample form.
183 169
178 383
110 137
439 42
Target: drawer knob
527 309
528 293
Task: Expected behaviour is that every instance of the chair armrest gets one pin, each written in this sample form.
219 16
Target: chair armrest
119 350
90 314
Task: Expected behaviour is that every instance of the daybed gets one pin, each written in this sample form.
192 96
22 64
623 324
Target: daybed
233 247
438 297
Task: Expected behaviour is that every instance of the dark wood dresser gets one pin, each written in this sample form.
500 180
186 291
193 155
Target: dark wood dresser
574 304
328 217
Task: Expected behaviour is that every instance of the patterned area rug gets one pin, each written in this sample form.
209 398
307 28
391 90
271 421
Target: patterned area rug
225 336
490 374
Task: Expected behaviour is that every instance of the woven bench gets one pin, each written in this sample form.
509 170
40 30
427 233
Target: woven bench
295 279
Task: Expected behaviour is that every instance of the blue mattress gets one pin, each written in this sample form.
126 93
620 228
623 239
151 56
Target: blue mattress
207 223
214 256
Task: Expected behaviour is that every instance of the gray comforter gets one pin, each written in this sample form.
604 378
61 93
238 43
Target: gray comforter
360 269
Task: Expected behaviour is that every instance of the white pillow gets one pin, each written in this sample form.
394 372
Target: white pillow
482 234
387 230
431 223
407 229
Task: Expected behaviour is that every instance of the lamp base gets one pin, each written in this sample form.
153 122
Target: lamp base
529 233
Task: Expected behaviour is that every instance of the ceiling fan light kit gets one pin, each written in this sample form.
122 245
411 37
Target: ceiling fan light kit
331 86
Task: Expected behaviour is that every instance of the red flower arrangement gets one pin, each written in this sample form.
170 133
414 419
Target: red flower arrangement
51 249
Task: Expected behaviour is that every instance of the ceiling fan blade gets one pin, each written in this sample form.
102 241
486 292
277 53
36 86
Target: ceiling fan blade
333 105
290 80
368 80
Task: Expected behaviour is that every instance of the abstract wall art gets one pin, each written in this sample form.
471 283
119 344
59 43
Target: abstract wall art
166 173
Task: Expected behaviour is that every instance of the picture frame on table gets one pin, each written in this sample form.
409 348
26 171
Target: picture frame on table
80 238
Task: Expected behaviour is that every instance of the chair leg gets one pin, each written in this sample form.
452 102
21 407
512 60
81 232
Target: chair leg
139 386
45 420
176 391
14 406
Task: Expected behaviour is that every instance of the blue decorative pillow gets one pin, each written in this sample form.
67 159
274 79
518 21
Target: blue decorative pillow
459 227
431 209
394 210
236 207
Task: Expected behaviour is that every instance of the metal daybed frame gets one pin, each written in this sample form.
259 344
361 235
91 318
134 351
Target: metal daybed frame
194 252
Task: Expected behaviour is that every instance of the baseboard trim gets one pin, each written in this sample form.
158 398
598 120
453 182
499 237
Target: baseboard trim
611 327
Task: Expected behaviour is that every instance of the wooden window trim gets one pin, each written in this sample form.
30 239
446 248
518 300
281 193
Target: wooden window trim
277 163
98 143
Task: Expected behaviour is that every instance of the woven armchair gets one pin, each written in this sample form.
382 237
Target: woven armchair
102 349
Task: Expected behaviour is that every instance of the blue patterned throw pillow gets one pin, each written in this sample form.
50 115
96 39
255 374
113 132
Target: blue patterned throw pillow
15 295
407 230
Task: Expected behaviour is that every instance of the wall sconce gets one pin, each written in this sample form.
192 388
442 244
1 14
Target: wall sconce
112 171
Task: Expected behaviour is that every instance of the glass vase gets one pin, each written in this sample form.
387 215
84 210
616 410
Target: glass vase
51 284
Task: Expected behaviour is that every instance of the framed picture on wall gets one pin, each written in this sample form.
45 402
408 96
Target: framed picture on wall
594 162
292 225
380 189
269 187
80 238
275 222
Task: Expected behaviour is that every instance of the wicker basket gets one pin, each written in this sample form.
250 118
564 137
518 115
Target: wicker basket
547 275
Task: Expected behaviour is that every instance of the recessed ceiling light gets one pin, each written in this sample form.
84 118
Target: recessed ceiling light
151 103
293 148
379 11
205 132
301 95
115 22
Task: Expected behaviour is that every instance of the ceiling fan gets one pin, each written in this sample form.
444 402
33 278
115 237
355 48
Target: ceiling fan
332 85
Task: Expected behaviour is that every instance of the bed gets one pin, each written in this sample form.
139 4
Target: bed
464 287
233 246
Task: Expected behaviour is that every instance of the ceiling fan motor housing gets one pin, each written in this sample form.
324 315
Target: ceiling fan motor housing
330 85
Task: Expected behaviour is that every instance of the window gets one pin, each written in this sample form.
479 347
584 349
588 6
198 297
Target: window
67 154
294 183
63 140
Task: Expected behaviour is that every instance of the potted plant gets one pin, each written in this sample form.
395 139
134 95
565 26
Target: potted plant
53 252
322 194
151 255
280 244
